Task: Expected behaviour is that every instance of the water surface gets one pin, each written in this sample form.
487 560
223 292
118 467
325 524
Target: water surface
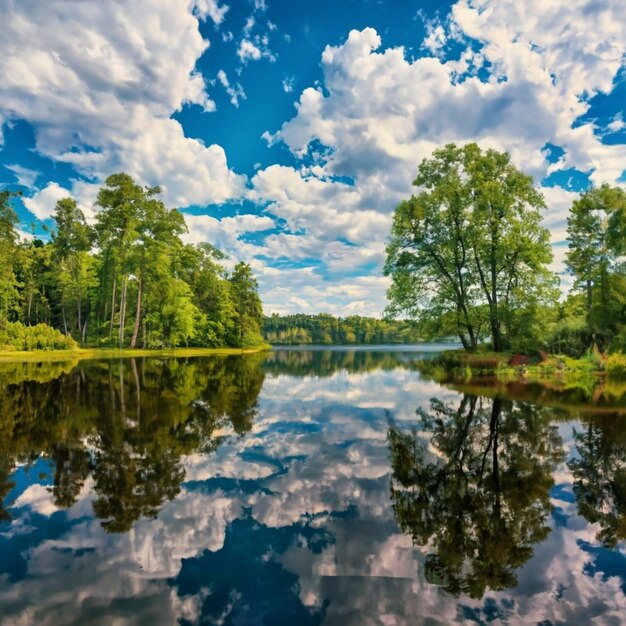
331 487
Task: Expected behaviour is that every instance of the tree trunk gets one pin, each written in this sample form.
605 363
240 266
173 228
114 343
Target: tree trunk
79 306
123 311
133 339
493 305
112 312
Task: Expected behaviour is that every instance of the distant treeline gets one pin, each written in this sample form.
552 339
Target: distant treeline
125 280
325 329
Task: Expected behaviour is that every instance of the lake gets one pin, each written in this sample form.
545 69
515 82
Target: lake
304 487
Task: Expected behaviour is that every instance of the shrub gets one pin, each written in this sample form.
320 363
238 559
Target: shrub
615 365
16 336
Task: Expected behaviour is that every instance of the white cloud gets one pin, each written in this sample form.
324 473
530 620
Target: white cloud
236 91
99 82
380 114
38 499
25 176
248 51
94 81
210 8
41 205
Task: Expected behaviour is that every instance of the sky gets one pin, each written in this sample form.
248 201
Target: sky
287 132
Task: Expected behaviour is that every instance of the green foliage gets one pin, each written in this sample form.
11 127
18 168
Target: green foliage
17 336
248 311
127 281
470 246
9 294
615 365
599 471
324 329
596 230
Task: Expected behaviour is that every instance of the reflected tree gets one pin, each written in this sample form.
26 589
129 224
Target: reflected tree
599 472
328 362
127 424
72 467
473 484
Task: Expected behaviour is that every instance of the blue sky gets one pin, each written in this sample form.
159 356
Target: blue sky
288 131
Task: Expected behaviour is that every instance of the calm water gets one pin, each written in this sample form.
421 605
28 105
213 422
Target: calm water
305 487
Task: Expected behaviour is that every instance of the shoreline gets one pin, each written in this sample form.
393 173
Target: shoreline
462 366
83 354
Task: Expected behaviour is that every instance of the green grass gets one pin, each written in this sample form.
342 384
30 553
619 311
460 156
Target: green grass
78 354
458 365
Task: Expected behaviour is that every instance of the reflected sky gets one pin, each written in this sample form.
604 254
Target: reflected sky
260 490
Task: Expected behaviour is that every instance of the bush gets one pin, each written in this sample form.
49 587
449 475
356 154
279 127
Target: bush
615 365
15 336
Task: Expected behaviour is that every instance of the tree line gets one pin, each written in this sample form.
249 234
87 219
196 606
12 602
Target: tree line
325 329
469 257
127 280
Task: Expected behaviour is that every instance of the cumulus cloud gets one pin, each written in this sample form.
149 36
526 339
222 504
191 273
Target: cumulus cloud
524 79
99 82
515 78
41 205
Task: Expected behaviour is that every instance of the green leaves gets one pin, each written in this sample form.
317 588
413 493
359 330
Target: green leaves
471 238
129 280
596 229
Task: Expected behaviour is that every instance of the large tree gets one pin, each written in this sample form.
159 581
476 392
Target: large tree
596 230
470 245
247 305
9 295
72 239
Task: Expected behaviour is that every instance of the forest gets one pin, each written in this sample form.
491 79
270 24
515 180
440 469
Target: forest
125 281
469 257
325 329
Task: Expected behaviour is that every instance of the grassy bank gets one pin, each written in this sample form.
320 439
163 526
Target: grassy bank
79 354
458 365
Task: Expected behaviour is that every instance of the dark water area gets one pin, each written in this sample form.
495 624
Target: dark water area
333 487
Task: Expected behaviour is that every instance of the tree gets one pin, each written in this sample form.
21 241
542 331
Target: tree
470 244
72 239
116 226
9 294
129 280
596 230
247 305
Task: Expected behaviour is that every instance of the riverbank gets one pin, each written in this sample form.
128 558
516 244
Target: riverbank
458 365
80 354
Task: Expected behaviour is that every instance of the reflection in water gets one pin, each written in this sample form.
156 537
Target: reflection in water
328 362
255 490
476 490
125 423
599 472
